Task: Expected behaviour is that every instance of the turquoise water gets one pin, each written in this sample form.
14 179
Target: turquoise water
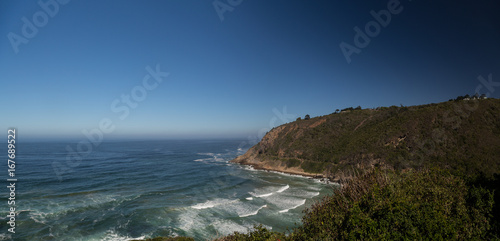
125 190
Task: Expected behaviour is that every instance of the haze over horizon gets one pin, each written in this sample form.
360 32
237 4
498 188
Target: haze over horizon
235 68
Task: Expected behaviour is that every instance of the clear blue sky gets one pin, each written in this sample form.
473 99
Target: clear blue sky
226 77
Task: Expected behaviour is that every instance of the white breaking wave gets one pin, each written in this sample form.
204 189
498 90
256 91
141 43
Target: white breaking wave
112 236
311 194
294 207
304 193
249 168
240 151
252 213
214 158
290 175
265 195
208 204
190 219
226 227
284 202
283 188
249 198
212 203
218 159
201 160
38 217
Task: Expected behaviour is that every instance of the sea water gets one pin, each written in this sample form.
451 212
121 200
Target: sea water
137 189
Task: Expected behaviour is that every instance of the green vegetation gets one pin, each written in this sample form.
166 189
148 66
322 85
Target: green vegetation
412 205
258 234
292 163
167 239
408 173
429 172
462 135
313 167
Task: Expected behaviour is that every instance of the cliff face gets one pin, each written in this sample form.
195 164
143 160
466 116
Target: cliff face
256 158
458 134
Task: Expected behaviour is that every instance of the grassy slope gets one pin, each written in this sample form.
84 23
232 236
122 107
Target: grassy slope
459 134
438 174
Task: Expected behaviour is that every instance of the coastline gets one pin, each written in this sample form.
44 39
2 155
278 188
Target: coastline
285 171
270 167
318 177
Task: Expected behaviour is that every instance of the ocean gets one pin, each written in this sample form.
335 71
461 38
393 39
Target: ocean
137 189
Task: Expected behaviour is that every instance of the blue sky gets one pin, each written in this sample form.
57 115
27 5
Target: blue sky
226 77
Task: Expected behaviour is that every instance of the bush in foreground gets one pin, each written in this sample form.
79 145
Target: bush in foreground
414 205
168 239
259 233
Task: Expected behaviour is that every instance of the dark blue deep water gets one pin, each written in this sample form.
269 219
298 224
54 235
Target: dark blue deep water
125 190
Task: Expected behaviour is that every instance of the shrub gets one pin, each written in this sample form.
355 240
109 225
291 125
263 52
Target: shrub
292 163
313 167
411 205
259 233
167 239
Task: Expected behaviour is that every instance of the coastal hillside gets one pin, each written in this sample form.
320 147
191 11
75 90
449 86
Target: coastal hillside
412 173
407 173
463 135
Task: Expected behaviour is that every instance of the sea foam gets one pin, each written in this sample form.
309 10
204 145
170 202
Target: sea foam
283 188
212 203
294 207
252 213
265 195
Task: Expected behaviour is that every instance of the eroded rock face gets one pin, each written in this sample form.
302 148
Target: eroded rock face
344 144
256 157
